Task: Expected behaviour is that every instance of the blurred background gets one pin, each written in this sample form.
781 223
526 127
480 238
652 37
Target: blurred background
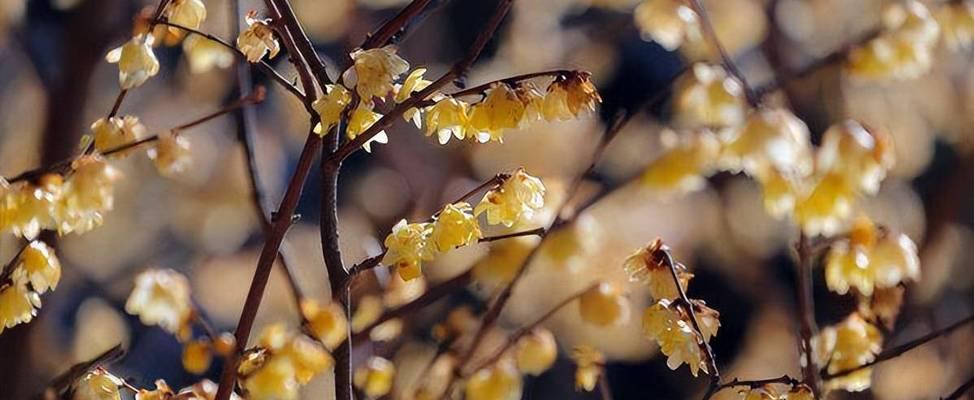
54 83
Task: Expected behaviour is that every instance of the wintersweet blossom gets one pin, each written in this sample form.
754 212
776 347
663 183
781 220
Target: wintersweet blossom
361 120
188 13
505 259
18 304
328 323
136 61
500 381
689 158
161 297
286 362
666 323
204 54
114 132
39 266
97 385
161 392
903 50
649 266
956 20
707 96
570 95
455 226
374 71
770 138
517 199
536 351
407 247
870 259
257 40
447 117
171 154
850 344
197 357
500 110
87 195
589 363
375 377
330 107
667 22
604 304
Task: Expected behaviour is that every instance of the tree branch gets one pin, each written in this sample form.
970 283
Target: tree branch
806 310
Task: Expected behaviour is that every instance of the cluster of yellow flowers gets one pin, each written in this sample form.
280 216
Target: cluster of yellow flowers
903 50
773 392
72 203
35 271
845 346
456 225
100 384
670 23
375 377
956 20
871 258
171 153
162 297
500 381
282 363
668 321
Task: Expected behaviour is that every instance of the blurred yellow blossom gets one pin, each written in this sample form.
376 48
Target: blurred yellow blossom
500 381
97 385
197 357
116 131
367 310
188 13
851 343
689 158
288 361
257 40
331 106
171 154
589 363
667 22
374 71
39 266
407 247
871 259
536 351
518 198
903 50
956 20
707 96
161 392
161 297
770 138
504 260
328 323
88 194
604 304
136 61
204 54
455 226
375 377
649 266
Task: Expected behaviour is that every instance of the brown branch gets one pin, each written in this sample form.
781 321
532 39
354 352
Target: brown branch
901 349
956 394
63 381
753 384
806 311
392 27
727 60
605 392
540 232
299 39
8 269
480 89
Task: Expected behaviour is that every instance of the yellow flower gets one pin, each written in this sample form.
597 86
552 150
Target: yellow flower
27 209
860 154
504 260
225 344
667 22
500 381
136 62
851 343
707 318
97 385
828 204
568 247
204 54
17 305
116 131
665 323
709 97
331 106
161 297
518 198
327 323
375 377
570 95
648 266
447 117
589 362
362 118
257 40
162 392
374 71
171 154
414 83
455 226
533 99
501 109
197 357
188 13
536 352
604 305
904 50
39 266
308 357
367 311
867 262
88 194
957 22
407 247
275 380
398 291
780 191
689 158
771 138
287 361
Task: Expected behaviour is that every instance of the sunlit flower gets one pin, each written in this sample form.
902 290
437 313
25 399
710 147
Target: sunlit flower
770 138
374 71
683 167
287 361
328 323
18 305
275 380
589 363
860 154
414 82
97 385
116 131
667 22
500 381
375 377
28 208
161 297
708 319
570 95
871 259
850 344
88 194
534 102
447 117
39 266
188 13
604 305
136 61
161 392
665 323
956 20
361 120
204 54
171 154
904 50
197 357
500 110
709 97
827 205
331 106
455 226
518 198
407 247
257 40
649 266
536 351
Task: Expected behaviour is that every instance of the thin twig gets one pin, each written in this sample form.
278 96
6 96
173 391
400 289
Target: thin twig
753 384
806 312
480 89
956 394
391 28
727 60
63 381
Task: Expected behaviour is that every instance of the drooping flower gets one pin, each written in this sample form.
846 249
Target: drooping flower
136 61
708 97
604 305
860 154
455 226
161 297
770 138
870 259
447 117
18 305
518 198
665 323
204 54
171 154
589 363
689 158
414 82
375 377
903 50
115 132
161 392
331 106
285 362
956 20
328 323
570 95
28 208
257 40
850 344
500 381
361 120
97 385
87 195
188 13
407 247
39 266
197 357
649 266
667 22
536 351
374 71
500 110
